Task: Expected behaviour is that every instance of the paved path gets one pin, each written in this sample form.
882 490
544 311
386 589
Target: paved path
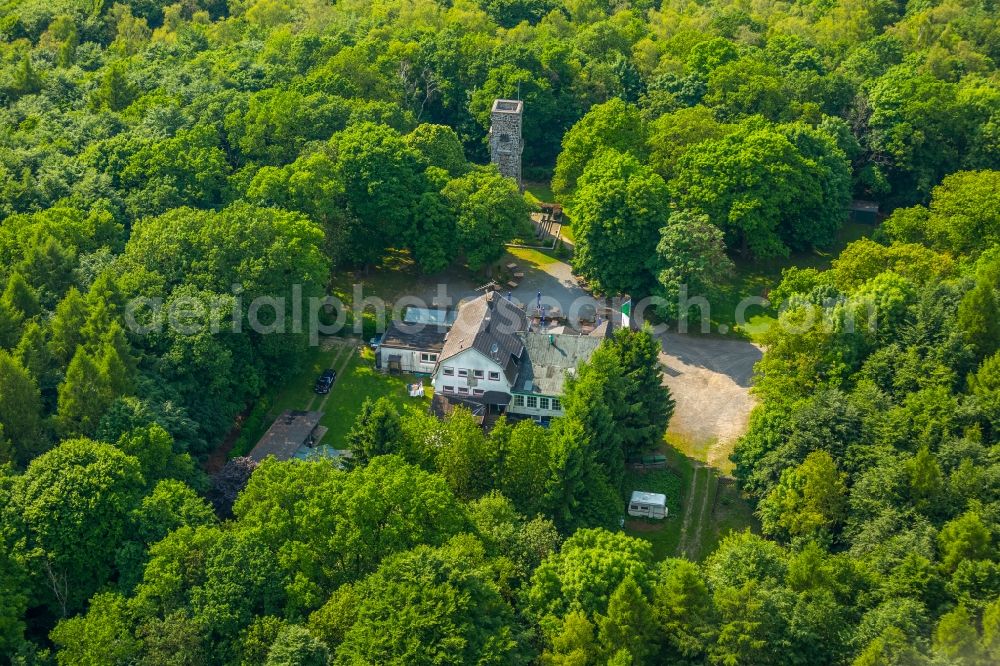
554 279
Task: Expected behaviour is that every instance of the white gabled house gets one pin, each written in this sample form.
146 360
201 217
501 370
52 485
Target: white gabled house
493 363
482 352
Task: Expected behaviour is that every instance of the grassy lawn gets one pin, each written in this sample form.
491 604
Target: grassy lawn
388 281
566 230
664 535
537 257
358 381
757 278
731 513
297 392
540 191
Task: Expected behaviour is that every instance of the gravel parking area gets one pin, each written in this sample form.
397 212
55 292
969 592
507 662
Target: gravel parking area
710 381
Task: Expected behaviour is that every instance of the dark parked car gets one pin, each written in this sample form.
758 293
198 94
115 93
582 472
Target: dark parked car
325 381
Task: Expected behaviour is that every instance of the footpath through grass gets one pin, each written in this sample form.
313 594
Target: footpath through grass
702 507
357 379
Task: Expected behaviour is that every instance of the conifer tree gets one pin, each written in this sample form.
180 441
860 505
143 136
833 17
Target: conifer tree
979 319
629 623
67 324
84 395
10 327
377 431
20 410
21 298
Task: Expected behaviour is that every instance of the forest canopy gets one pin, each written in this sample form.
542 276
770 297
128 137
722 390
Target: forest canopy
205 149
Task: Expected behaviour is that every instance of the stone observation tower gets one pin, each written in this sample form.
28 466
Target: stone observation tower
505 137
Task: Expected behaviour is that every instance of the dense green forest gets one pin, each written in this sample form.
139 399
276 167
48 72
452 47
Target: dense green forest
203 150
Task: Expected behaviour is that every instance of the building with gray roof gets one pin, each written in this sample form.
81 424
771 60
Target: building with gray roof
290 432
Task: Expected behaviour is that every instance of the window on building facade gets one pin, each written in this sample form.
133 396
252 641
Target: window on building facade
448 389
449 372
478 374
428 358
463 372
533 401
494 376
478 392
556 405
463 390
519 401
543 403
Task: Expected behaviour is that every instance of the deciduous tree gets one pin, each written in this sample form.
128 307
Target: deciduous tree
617 212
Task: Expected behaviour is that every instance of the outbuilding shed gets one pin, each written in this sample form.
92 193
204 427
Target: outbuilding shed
411 348
291 431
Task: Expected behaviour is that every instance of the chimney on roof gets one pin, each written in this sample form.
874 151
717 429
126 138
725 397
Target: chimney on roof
489 309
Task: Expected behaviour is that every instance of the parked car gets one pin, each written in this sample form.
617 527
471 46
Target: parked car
325 381
375 341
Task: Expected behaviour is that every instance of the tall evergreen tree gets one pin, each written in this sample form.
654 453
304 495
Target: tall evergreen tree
376 431
648 400
595 399
20 297
10 326
20 409
84 396
67 324
979 319
629 623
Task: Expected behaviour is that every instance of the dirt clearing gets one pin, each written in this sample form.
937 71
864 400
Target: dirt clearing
709 379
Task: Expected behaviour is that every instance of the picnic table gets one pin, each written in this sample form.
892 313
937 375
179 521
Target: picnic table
511 266
519 275
512 284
